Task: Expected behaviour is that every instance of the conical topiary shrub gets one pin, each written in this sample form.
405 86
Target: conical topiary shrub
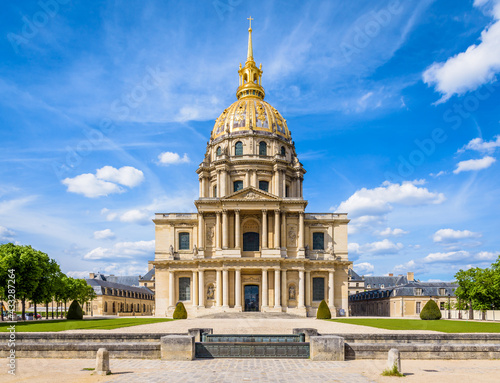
430 311
180 311
75 311
323 311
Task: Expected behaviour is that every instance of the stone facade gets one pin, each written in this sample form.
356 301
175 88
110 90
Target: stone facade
250 246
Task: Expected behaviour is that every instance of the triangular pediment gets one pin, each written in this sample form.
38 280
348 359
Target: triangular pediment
250 193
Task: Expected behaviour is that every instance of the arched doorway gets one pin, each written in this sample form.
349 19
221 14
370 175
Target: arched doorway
251 298
251 241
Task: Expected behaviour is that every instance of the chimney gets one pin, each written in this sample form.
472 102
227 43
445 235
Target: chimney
410 276
91 275
391 274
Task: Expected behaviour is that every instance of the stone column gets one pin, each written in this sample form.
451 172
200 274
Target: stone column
300 187
237 229
218 291
225 230
284 290
276 182
201 288
283 184
331 289
308 288
201 231
297 187
247 179
203 187
277 291
237 289
223 185
195 289
255 183
218 184
277 229
265 291
301 231
283 230
217 231
301 289
225 288
264 229
171 288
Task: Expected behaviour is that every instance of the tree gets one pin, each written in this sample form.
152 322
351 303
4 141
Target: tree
180 311
75 311
26 263
80 291
430 311
46 289
323 311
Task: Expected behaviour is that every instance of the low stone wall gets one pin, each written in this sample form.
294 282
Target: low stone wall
488 315
356 346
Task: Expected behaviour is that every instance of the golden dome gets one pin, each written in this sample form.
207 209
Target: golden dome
250 112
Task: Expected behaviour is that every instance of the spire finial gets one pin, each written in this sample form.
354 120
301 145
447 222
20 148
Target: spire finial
250 48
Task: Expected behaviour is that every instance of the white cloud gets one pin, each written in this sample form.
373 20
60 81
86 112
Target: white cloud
450 235
439 174
451 256
472 165
104 234
170 158
126 175
380 200
78 274
479 145
104 182
353 247
381 247
468 70
363 268
394 232
408 266
6 234
90 186
136 216
122 250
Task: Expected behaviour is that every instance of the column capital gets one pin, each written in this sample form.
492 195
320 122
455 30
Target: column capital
301 213
277 211
264 211
236 211
224 211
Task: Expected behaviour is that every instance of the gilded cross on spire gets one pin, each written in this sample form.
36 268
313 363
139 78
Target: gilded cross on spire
250 18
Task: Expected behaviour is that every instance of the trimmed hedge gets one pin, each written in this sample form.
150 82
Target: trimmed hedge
323 311
430 311
75 311
180 311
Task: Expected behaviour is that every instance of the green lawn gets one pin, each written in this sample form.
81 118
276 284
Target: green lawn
86 324
450 326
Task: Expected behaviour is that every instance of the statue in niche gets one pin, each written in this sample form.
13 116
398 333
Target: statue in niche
210 235
210 292
291 292
292 236
331 252
195 251
171 252
307 251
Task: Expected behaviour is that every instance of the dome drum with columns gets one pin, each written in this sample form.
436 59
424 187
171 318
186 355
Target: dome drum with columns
251 246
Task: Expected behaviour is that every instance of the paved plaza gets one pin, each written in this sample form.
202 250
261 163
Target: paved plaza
253 370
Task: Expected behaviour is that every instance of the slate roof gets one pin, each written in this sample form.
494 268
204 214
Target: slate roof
408 290
130 280
386 281
149 275
354 276
99 284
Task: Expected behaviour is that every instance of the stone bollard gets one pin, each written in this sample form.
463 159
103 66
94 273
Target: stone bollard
177 347
196 332
327 347
102 362
308 332
394 359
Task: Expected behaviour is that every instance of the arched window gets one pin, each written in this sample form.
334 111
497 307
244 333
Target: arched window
319 289
105 307
318 241
287 191
238 149
114 307
245 78
264 185
262 149
183 241
251 241
237 185
283 151
215 191
219 151
184 289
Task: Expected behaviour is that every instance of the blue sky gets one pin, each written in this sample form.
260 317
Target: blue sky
106 108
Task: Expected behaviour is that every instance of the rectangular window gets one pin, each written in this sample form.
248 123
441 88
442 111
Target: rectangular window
237 185
417 307
183 241
264 185
318 289
441 305
184 289
318 241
